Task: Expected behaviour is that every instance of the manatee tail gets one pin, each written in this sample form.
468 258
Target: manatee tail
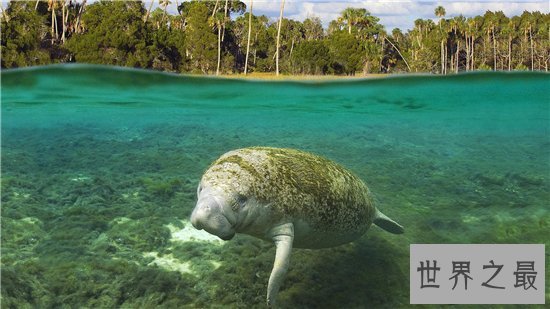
387 224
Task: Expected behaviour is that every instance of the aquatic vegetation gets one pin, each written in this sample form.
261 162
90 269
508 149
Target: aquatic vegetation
162 189
146 234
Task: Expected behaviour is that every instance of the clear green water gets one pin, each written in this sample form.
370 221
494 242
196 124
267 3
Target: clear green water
100 166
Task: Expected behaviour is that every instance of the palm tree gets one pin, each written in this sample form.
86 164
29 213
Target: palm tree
527 22
227 17
476 32
52 4
148 11
217 22
279 37
215 8
294 30
470 39
352 17
64 19
164 4
459 26
440 13
80 11
182 23
492 22
510 29
5 15
248 40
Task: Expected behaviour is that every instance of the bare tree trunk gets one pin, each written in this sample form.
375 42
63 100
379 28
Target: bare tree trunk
446 54
148 11
494 50
163 15
64 24
457 54
510 53
219 48
225 14
215 8
467 53
248 41
279 37
77 29
442 58
67 11
181 15
53 23
36 5
291 48
472 67
532 52
452 62
6 17
397 49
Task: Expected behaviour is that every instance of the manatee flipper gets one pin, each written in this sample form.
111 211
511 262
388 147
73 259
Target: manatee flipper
283 236
387 224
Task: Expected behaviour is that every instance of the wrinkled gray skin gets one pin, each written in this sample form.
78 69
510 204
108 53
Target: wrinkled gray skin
287 196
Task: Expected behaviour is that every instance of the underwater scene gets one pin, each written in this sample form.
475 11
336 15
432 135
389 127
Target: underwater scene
100 168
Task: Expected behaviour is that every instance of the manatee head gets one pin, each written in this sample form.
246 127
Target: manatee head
216 211
227 201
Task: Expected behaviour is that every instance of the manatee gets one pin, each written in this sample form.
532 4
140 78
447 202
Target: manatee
291 197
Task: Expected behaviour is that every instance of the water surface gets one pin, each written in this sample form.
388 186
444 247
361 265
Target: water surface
100 168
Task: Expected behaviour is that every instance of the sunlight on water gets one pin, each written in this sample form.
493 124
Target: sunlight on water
100 168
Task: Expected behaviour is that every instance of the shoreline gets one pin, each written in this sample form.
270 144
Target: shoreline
299 77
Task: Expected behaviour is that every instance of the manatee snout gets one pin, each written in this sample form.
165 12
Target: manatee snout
209 215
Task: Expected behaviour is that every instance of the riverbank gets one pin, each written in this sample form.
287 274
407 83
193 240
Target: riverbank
273 76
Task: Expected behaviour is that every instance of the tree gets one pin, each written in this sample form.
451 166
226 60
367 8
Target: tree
510 30
261 42
248 40
217 22
114 34
491 25
313 29
22 29
399 52
352 16
279 36
164 4
528 21
346 53
52 5
457 25
79 16
293 32
201 42
424 46
146 17
311 57
208 34
440 13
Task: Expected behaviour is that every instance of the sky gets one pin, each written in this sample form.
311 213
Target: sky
392 13
397 13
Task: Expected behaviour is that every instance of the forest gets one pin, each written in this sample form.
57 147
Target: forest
225 37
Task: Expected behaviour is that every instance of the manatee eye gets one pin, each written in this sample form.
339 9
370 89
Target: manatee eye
241 199
199 189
